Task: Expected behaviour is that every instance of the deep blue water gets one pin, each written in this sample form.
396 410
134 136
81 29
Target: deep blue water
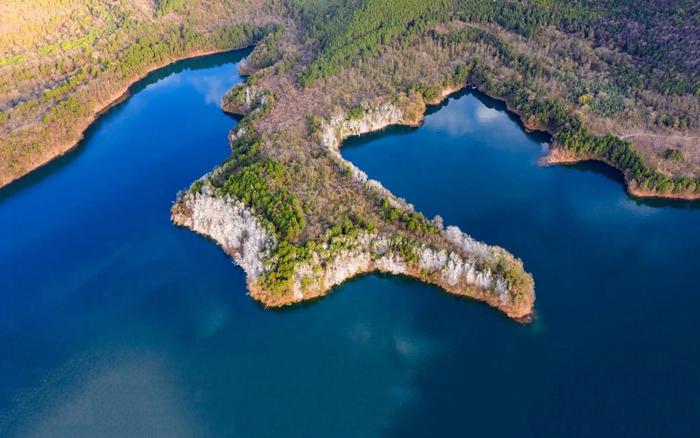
114 322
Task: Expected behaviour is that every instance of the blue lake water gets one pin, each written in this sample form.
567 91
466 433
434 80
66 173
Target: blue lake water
114 322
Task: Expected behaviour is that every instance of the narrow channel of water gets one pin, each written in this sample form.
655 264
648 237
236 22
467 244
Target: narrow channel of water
115 322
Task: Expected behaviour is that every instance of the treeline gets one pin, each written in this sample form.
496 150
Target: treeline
555 117
374 24
413 221
569 131
620 154
157 48
267 51
288 256
660 60
150 49
56 71
259 183
147 51
661 35
364 28
260 186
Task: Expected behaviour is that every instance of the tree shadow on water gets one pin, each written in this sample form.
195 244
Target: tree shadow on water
609 172
61 162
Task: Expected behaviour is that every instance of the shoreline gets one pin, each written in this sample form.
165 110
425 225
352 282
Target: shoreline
559 156
361 260
472 293
556 156
261 297
358 262
115 99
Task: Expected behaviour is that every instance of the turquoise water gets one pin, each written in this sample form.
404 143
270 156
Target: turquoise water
114 322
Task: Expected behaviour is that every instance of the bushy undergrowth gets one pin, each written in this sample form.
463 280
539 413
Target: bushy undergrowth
288 256
261 186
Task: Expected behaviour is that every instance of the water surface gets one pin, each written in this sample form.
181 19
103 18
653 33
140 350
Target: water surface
114 322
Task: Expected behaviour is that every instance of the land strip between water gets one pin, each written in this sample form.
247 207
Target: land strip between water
295 214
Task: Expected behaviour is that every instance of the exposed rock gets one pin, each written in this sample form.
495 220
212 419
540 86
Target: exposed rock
454 261
372 252
341 126
230 224
243 99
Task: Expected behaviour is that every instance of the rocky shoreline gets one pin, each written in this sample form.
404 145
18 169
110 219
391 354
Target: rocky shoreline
458 264
238 232
560 156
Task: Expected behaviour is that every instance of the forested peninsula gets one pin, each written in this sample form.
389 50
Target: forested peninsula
615 81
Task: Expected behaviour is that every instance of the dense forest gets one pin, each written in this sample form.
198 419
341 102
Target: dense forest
648 53
61 61
660 37
616 81
582 70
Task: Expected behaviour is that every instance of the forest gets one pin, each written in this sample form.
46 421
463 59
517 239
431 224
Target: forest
649 60
664 57
582 70
61 61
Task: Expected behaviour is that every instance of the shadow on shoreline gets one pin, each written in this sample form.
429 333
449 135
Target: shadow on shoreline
62 161
588 166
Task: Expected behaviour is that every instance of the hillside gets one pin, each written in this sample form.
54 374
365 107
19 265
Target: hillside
611 81
63 61
580 70
625 68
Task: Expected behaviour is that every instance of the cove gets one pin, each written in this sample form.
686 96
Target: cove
614 348
115 322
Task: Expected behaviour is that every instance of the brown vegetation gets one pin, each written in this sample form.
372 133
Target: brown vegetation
326 69
62 62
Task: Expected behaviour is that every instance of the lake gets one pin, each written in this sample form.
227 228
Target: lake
114 322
